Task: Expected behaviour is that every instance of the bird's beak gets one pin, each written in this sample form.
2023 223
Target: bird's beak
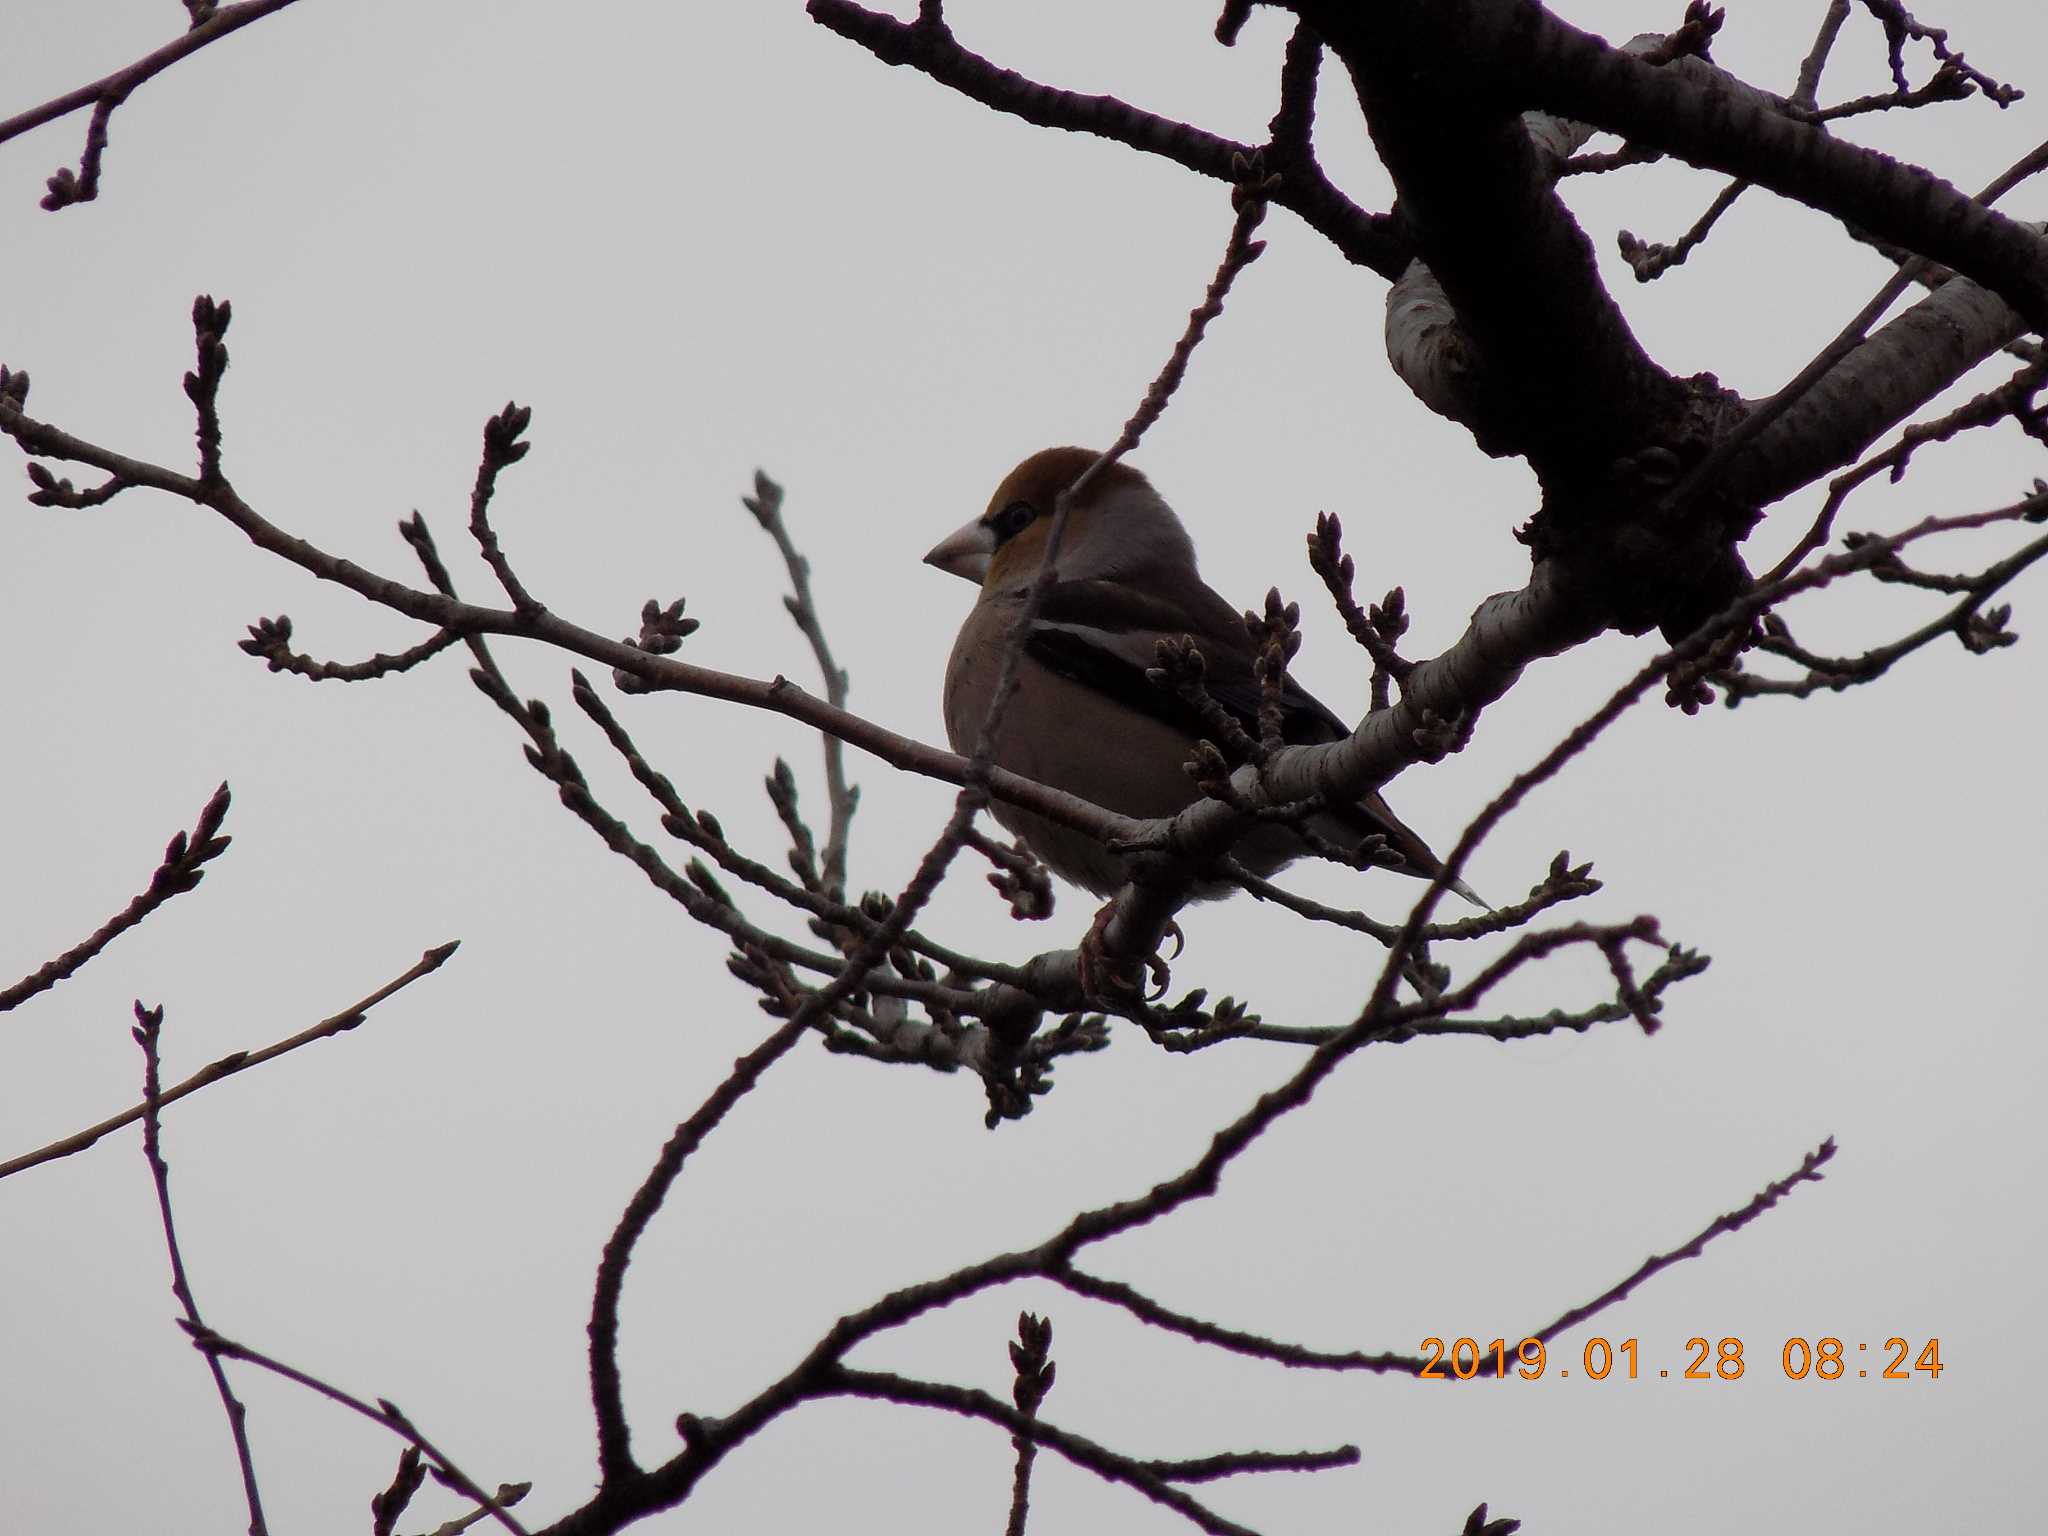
964 552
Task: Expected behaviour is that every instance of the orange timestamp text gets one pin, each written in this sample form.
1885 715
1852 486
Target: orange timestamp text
1800 1359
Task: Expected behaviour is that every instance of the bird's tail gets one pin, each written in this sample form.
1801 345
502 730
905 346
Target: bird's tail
1372 815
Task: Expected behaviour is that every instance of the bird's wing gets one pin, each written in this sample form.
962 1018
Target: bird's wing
1104 635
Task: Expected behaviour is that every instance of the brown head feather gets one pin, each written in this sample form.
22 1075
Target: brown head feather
1037 483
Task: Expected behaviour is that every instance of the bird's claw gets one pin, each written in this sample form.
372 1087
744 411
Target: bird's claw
1106 979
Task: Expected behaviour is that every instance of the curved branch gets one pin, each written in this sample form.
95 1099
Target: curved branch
1374 240
1565 381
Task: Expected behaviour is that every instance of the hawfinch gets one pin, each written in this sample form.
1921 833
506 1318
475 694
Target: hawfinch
1085 719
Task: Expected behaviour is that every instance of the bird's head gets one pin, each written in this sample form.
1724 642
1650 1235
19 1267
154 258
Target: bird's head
1118 529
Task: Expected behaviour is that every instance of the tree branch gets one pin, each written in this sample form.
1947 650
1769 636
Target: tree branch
106 94
183 867
1377 241
229 1065
148 1027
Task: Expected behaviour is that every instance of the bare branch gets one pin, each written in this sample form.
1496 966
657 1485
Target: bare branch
148 1027
1372 240
1701 120
702 830
614 1439
1236 1341
1650 262
971 1403
1806 92
502 449
2014 397
1031 1359
1209 1469
766 505
229 1065
1562 883
383 1411
1900 27
270 641
183 867
471 622
1977 630
104 95
1808 1172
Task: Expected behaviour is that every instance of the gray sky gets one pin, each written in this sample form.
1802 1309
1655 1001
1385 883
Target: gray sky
698 239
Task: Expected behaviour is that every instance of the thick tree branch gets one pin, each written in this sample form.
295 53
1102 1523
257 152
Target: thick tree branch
1516 47
1877 384
1567 384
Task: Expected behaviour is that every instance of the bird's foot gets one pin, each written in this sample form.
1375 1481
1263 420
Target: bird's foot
1112 981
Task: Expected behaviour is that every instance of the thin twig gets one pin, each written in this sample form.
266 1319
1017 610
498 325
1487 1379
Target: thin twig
698 892
383 1411
1375 240
766 505
1031 1360
1946 84
703 831
1900 26
1808 1171
106 94
502 449
1807 91
1210 1469
270 641
1235 1340
1977 631
1650 262
148 1028
229 1065
615 1457
614 1438
1563 883
886 1386
183 867
1992 406
1240 251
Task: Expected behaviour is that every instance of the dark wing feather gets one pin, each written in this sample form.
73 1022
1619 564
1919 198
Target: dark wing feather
1103 635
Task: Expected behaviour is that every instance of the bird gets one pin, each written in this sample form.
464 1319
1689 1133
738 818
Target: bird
1085 718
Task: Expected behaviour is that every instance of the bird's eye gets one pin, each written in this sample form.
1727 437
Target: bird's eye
1012 520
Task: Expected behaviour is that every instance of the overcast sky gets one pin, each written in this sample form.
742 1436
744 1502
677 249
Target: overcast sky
700 239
